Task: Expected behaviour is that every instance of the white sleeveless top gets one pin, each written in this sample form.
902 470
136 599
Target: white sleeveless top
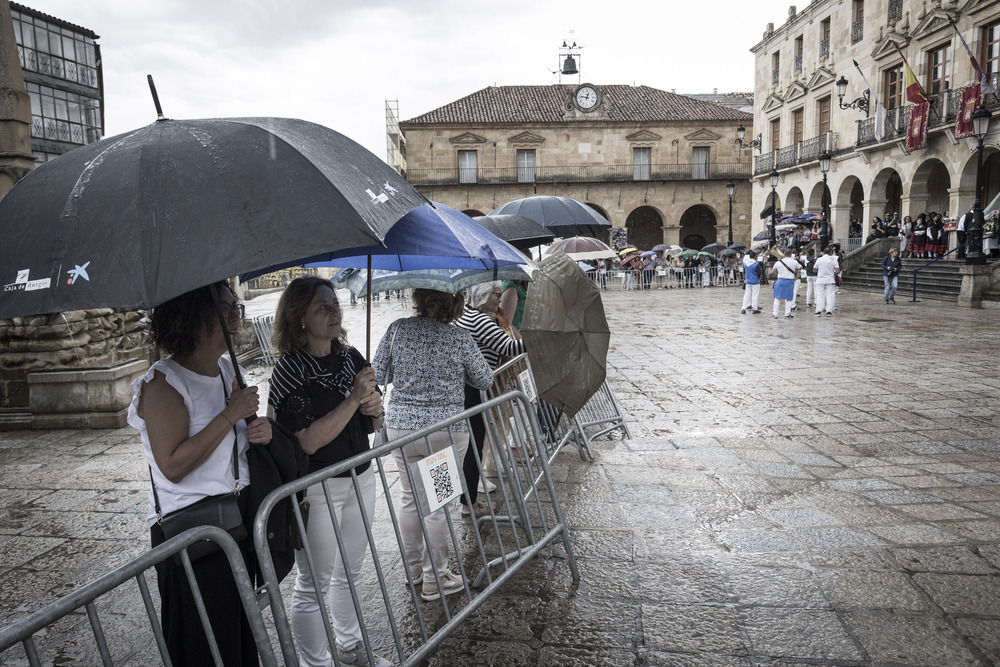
204 399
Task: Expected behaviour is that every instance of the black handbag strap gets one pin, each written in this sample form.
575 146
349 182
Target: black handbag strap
236 463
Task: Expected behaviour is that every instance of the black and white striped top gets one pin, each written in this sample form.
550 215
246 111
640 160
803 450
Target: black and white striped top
493 341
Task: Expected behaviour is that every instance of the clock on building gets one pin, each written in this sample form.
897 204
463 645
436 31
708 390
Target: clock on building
586 97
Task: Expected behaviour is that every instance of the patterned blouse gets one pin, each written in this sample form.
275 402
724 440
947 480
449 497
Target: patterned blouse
431 362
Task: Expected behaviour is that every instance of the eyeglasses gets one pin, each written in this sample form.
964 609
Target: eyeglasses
233 310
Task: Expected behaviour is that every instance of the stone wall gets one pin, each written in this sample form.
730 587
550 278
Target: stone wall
77 339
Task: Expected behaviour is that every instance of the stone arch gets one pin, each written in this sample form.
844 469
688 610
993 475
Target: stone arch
794 201
929 188
606 234
850 196
816 201
990 179
645 227
886 193
698 227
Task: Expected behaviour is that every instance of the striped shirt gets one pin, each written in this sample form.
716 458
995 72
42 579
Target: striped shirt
493 341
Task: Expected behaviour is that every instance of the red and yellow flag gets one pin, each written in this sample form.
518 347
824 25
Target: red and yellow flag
914 93
916 133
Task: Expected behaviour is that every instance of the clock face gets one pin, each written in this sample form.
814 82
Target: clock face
586 98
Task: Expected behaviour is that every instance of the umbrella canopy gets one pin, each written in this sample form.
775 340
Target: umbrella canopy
674 250
581 247
137 219
660 247
713 247
566 334
763 235
785 227
737 246
631 261
452 281
704 254
628 250
728 252
560 215
687 253
517 230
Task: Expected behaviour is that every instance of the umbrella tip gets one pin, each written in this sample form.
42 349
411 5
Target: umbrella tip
156 98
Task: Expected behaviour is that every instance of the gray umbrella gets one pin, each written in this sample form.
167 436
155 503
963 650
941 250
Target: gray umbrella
521 232
560 215
566 334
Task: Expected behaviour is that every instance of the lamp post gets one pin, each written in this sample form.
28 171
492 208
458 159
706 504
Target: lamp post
773 176
980 126
756 143
824 232
862 102
730 190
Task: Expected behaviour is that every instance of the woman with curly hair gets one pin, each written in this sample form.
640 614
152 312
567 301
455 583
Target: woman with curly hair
191 415
322 390
428 362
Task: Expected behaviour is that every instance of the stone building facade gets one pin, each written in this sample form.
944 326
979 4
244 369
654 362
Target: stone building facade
799 114
650 161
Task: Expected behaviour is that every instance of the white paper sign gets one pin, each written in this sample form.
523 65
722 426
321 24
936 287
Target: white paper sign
528 385
441 476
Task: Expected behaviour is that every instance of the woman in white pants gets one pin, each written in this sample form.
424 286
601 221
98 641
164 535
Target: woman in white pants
322 391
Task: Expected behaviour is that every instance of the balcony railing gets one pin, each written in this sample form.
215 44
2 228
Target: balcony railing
824 48
787 156
602 173
44 63
943 112
798 63
804 151
895 10
774 76
61 130
857 31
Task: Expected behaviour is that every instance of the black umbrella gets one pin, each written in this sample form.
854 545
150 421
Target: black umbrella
737 246
136 219
562 216
713 248
521 232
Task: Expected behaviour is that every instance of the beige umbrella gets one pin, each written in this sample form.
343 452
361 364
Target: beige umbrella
565 333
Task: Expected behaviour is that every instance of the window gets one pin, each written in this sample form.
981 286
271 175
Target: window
824 38
775 67
939 69
991 48
798 53
526 166
640 164
699 162
48 49
858 26
466 166
775 134
895 88
895 10
797 118
63 116
823 114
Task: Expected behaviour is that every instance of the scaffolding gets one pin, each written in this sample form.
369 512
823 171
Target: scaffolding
395 143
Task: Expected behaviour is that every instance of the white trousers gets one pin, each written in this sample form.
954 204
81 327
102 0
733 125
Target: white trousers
788 306
751 297
826 298
810 289
418 555
307 619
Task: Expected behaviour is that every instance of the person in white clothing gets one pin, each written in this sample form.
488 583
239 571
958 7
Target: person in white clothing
810 273
786 270
751 287
827 270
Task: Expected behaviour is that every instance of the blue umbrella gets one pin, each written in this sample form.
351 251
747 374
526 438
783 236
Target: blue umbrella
442 280
432 236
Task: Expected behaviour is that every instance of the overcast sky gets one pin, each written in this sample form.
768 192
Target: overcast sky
336 63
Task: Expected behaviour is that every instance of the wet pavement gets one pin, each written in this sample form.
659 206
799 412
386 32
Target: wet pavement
813 491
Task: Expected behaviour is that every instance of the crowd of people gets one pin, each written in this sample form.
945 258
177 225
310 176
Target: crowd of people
192 417
923 238
659 270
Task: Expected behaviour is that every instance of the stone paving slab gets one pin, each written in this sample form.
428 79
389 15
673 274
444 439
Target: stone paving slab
814 491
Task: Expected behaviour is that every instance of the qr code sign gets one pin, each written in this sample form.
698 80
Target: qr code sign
441 477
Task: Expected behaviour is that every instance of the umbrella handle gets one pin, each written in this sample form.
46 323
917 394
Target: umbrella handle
217 300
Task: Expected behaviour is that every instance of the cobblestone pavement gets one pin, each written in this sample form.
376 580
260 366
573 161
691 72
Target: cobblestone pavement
813 491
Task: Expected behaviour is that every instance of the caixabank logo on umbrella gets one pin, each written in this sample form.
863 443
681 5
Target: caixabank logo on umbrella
23 284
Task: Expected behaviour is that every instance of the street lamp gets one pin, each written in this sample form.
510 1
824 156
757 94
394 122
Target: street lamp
731 190
824 232
860 103
756 143
980 126
773 176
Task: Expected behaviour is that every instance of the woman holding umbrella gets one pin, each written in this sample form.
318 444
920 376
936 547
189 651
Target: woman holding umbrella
190 414
322 391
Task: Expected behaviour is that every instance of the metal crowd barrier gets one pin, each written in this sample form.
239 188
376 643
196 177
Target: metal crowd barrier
676 277
387 596
262 331
603 413
23 632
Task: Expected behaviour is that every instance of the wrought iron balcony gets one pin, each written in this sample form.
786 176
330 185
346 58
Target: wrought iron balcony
764 163
895 10
798 63
804 151
810 149
857 31
824 48
774 76
787 156
595 173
